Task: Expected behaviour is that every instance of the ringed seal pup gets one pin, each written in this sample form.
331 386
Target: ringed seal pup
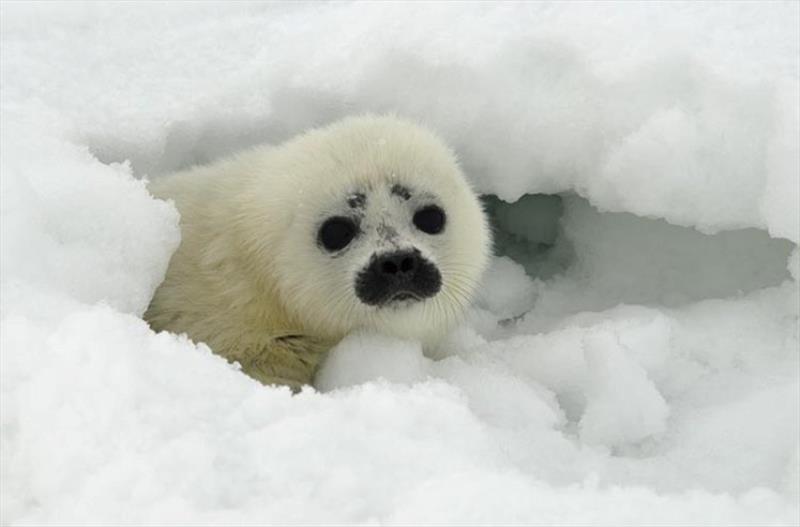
367 223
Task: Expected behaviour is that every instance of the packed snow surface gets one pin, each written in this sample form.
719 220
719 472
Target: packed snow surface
633 353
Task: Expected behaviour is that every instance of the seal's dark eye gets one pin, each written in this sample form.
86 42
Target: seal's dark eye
336 233
430 219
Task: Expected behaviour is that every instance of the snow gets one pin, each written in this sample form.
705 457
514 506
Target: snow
633 353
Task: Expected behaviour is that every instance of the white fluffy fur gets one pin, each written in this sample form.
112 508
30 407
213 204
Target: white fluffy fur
249 269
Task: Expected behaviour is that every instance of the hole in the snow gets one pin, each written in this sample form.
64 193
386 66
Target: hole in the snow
529 232
586 259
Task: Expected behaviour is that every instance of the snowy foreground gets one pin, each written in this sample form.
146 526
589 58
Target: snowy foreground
648 375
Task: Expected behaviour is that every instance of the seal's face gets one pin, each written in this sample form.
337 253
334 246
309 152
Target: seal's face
386 234
392 226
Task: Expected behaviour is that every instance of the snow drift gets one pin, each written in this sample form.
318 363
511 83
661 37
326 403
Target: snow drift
633 355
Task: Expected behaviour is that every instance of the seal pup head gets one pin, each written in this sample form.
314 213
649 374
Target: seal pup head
385 232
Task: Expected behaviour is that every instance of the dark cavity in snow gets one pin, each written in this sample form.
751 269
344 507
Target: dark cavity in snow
619 257
529 232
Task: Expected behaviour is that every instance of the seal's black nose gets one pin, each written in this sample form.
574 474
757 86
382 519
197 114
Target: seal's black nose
400 265
398 275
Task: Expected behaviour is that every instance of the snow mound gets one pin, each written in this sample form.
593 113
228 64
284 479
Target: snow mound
631 358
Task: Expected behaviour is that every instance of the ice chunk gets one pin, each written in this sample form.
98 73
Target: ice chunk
363 357
623 405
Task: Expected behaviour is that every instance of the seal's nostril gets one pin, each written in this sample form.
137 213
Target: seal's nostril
407 264
397 266
389 267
